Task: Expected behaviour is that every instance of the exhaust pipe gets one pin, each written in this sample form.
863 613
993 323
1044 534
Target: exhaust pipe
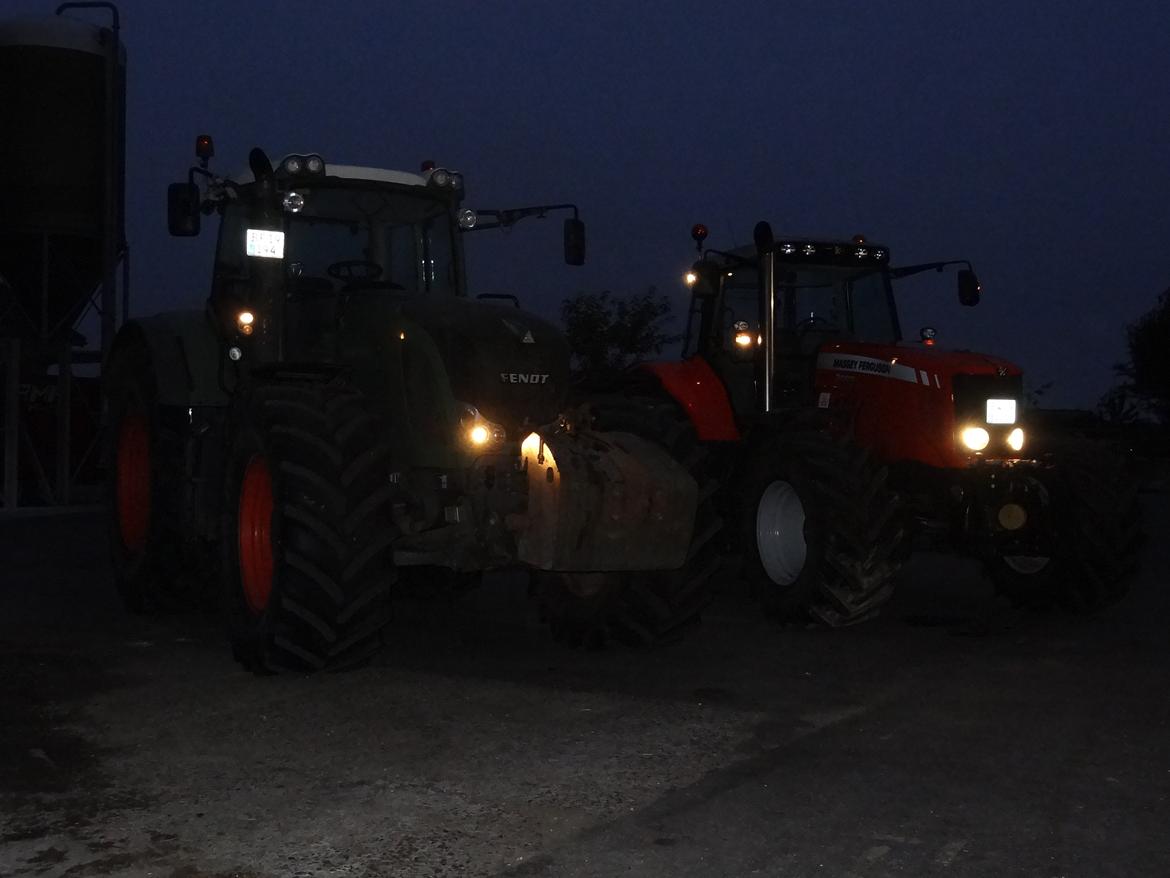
766 251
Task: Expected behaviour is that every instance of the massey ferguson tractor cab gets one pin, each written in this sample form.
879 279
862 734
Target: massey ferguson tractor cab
342 408
791 326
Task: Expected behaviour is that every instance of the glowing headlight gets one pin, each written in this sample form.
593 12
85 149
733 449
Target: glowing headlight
975 438
1015 439
477 431
691 278
743 339
245 322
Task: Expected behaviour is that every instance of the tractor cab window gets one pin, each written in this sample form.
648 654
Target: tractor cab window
347 238
812 302
871 306
360 238
438 266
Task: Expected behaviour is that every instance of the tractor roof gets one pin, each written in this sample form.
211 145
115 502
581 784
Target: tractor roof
353 172
818 251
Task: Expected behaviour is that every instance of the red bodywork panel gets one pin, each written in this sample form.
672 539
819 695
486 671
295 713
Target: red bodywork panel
699 391
902 397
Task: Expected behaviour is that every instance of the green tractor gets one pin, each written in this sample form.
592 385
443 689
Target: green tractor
342 410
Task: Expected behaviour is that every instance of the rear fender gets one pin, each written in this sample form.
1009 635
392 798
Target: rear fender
697 389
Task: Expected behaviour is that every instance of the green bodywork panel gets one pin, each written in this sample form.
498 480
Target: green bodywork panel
398 365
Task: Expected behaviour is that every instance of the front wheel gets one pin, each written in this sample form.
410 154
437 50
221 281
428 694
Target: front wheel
820 531
1087 547
307 534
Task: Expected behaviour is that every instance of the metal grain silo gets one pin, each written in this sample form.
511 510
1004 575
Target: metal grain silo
62 88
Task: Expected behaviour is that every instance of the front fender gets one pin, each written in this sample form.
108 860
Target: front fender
185 354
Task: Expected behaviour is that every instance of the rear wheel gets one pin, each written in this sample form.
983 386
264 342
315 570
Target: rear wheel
820 531
642 608
1087 553
307 532
143 467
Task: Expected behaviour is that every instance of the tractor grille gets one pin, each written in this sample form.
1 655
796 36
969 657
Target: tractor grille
973 391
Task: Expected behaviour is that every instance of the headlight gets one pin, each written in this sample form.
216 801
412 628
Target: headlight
294 164
478 432
1015 439
245 322
975 438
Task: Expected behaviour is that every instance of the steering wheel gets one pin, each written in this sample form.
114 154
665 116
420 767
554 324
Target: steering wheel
809 323
348 270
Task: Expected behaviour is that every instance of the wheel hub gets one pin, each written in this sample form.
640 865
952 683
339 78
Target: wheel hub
780 533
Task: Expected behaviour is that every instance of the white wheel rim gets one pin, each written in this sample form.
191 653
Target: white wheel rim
1026 565
780 533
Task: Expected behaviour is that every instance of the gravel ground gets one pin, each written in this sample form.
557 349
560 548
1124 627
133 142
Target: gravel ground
952 736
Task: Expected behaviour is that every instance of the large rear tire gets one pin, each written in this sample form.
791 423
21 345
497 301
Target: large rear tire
143 466
821 533
1093 535
307 558
643 608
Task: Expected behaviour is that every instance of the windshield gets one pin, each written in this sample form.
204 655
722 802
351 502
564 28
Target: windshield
350 237
814 299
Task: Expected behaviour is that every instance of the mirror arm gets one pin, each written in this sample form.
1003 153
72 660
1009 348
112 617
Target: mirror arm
508 218
908 270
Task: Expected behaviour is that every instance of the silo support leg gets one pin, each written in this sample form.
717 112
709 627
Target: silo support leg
11 421
64 426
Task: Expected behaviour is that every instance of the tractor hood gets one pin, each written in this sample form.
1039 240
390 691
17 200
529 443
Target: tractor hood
512 366
912 356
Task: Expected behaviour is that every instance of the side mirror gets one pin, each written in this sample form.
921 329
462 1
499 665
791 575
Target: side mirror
969 289
183 210
574 242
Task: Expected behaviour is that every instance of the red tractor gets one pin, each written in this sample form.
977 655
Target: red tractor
848 444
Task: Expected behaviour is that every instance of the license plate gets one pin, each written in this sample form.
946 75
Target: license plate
1001 411
265 243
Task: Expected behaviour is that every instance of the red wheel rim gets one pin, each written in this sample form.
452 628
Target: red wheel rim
133 480
255 534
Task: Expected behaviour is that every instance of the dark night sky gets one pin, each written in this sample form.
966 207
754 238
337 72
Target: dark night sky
1033 139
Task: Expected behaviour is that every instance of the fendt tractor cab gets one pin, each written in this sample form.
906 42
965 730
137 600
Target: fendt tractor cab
342 408
791 326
